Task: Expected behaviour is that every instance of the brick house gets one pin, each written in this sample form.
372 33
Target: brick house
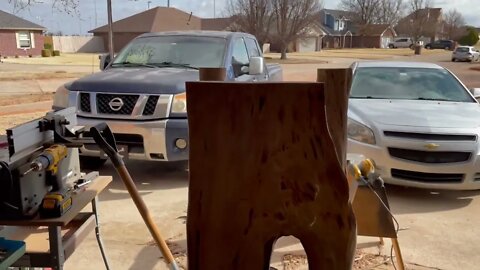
427 23
19 36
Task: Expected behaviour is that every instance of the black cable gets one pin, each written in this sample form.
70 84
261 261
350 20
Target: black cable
397 229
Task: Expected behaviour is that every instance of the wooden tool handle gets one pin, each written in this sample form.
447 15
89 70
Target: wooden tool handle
147 218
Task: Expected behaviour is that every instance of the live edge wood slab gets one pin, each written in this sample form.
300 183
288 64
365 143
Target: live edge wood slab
262 166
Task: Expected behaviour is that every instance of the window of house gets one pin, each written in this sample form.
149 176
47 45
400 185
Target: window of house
341 25
24 39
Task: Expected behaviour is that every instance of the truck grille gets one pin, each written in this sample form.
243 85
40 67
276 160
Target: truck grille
427 136
427 177
129 102
150 105
85 102
429 157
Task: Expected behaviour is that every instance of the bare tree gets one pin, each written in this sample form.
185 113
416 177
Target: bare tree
420 16
252 16
67 6
292 19
454 21
364 11
390 11
374 11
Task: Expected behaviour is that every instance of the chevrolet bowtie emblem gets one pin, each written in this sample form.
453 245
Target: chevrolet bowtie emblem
431 146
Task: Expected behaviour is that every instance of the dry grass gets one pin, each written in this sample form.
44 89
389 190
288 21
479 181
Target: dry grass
368 54
8 121
14 100
20 76
74 59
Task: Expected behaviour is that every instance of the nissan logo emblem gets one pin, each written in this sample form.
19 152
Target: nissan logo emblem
116 104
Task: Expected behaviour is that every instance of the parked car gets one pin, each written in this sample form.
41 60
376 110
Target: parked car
141 93
401 43
418 122
465 53
441 44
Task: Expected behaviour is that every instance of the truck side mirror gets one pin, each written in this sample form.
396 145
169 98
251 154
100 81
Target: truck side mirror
256 66
104 60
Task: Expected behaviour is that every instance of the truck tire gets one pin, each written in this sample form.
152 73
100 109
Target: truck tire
91 163
411 47
391 46
428 47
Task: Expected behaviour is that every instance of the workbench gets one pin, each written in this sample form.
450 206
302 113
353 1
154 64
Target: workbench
50 242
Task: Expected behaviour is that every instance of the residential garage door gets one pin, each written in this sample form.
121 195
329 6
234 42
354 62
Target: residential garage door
308 44
386 41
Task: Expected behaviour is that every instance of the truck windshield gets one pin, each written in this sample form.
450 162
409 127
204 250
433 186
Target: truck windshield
172 51
407 83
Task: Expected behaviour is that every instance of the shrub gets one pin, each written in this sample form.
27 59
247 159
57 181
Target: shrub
46 53
471 38
56 53
48 46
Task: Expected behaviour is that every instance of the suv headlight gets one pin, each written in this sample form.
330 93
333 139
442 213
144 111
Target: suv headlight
179 104
359 132
60 99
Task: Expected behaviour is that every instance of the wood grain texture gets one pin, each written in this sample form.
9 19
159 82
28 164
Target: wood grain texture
212 74
337 90
262 166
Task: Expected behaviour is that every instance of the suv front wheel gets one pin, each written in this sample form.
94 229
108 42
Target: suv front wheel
391 46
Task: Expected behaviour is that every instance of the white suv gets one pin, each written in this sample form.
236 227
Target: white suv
401 43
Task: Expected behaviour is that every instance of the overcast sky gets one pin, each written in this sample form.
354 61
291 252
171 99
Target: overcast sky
55 20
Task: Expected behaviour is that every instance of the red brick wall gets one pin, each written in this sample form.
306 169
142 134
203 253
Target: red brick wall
8 44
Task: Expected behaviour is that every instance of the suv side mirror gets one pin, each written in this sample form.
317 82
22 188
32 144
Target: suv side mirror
256 66
104 60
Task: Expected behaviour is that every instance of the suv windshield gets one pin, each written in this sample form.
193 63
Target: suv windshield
172 51
407 83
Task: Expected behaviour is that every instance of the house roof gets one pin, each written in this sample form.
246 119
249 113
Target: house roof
157 19
338 13
373 29
217 24
12 22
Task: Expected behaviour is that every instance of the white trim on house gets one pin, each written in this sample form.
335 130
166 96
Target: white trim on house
25 37
32 40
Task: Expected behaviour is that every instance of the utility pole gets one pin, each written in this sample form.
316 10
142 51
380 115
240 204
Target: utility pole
148 4
168 3
214 13
110 29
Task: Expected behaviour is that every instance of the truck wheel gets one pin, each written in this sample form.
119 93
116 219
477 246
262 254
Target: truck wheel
91 163
428 47
453 60
411 47
391 46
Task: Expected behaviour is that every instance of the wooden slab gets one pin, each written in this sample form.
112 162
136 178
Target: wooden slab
78 203
262 166
212 74
337 90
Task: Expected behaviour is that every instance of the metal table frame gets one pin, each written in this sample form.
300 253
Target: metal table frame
65 233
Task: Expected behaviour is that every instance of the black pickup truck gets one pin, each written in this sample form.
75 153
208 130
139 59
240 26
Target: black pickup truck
141 93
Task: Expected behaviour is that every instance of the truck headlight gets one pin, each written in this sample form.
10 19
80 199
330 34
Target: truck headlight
179 104
60 99
359 132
